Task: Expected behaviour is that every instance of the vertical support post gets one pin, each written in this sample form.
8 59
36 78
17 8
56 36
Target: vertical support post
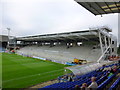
110 45
51 44
15 42
105 42
100 39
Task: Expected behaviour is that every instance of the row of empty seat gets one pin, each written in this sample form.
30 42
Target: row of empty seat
61 53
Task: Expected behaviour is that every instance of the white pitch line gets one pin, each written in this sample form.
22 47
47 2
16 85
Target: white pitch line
31 76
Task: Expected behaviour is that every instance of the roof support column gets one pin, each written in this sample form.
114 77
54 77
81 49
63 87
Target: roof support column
15 43
31 43
63 43
109 40
105 42
68 45
23 42
74 43
51 44
39 43
100 39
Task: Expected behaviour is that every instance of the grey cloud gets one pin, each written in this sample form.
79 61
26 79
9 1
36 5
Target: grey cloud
50 17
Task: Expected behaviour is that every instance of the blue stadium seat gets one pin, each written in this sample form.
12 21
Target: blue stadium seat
115 84
100 77
105 83
101 80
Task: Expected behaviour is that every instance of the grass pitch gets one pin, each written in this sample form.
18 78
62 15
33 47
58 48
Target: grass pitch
22 72
0 71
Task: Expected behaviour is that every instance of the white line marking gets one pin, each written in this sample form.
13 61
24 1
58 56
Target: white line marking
31 75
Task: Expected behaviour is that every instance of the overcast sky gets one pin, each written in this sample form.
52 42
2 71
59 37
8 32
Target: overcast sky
34 17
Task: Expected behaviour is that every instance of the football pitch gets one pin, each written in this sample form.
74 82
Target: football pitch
23 72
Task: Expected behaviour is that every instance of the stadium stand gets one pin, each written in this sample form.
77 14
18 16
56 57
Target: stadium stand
61 53
95 45
101 79
34 46
3 42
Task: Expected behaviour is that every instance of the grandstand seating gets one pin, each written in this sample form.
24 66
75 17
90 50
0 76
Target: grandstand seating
105 83
115 84
61 53
101 79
